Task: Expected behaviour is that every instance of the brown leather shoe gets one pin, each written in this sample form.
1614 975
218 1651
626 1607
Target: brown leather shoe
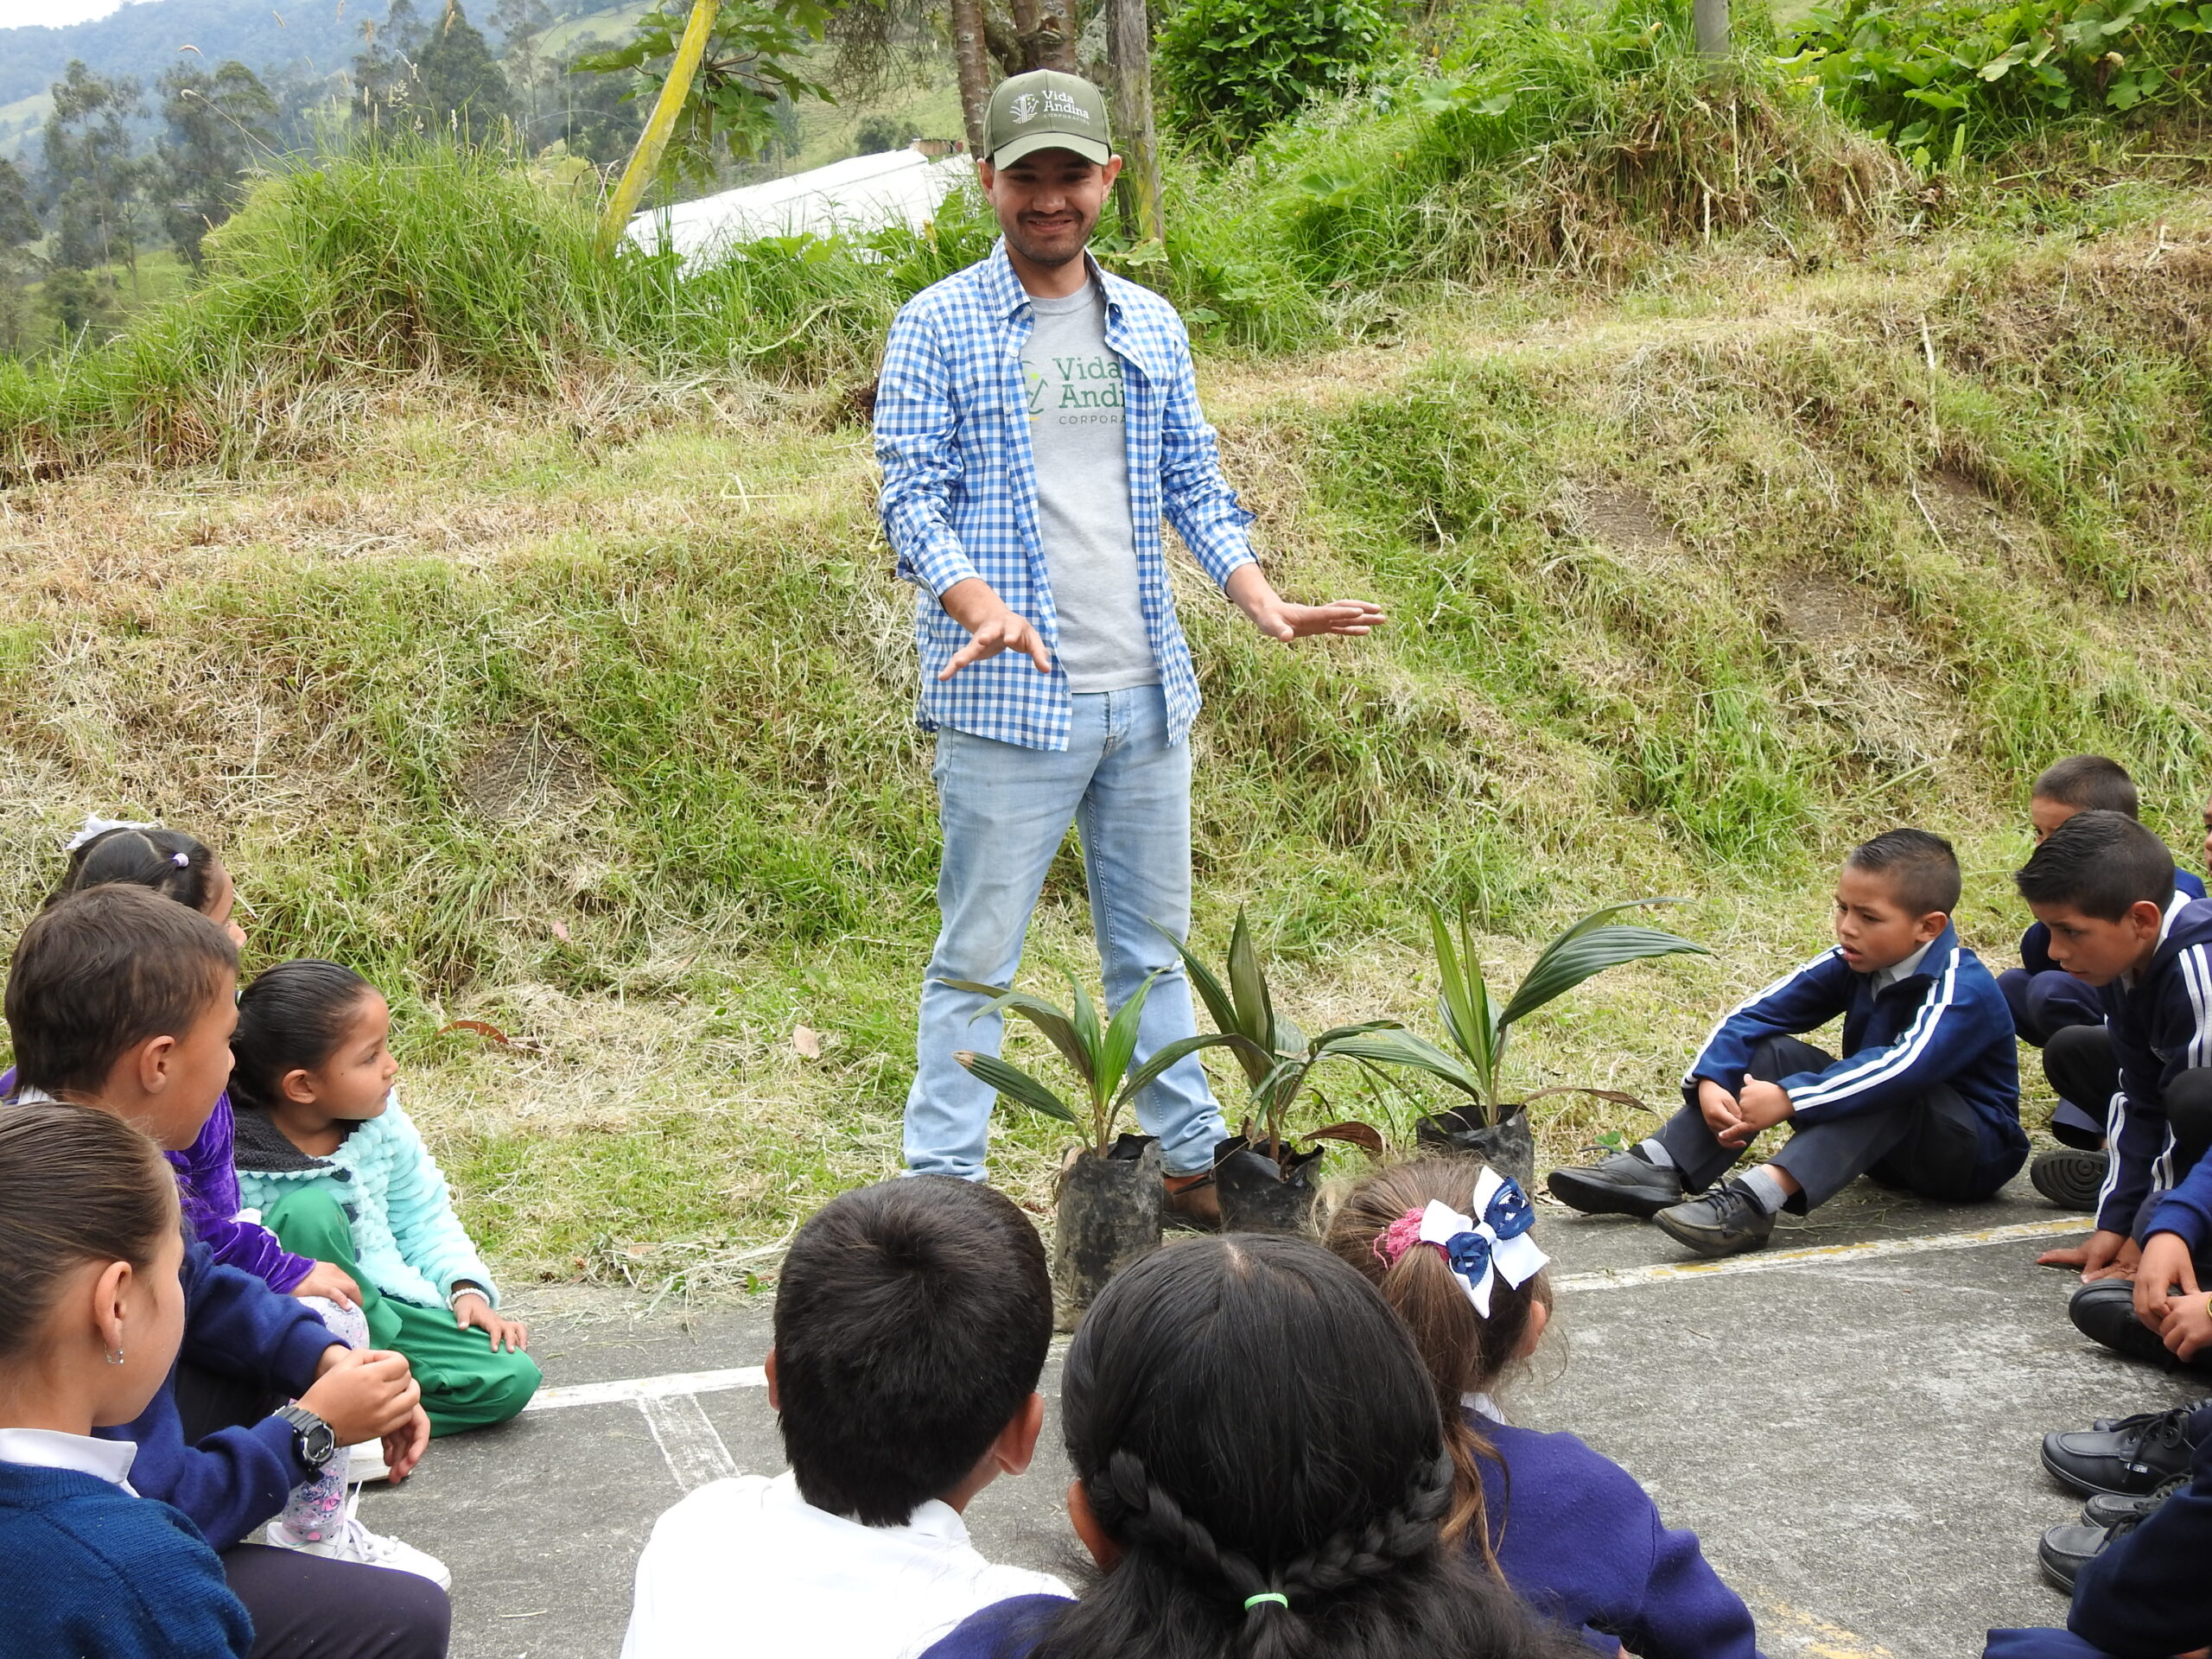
1193 1201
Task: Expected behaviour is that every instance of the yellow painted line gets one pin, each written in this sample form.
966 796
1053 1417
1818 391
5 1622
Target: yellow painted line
1818 1255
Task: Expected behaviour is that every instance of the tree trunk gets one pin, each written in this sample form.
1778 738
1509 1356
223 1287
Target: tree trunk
971 53
1710 19
1055 47
1128 45
1005 45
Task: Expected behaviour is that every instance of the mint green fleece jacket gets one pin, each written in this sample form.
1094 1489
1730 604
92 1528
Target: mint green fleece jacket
406 1237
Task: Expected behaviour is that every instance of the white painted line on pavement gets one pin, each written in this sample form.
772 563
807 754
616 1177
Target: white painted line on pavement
693 1451
636 1390
1663 1271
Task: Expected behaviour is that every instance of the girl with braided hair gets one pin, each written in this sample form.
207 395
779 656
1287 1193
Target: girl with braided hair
1567 1527
1260 1473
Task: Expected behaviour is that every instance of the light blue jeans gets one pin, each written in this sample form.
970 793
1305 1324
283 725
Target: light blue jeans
1004 810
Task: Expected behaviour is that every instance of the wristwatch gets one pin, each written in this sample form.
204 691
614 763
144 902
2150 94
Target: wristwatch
311 1437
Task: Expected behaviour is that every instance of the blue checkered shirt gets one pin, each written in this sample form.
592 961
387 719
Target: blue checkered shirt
960 490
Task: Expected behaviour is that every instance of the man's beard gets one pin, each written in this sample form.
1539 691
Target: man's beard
1035 254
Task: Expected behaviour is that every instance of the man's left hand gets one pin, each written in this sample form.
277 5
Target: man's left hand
1279 619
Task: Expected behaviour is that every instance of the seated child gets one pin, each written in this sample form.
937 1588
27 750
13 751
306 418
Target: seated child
91 1314
2047 1001
2104 885
913 1319
119 999
1568 1528
2141 1595
339 1173
177 867
1260 1469
1926 1096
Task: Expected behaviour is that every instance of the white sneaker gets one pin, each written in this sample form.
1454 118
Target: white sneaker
364 1463
353 1541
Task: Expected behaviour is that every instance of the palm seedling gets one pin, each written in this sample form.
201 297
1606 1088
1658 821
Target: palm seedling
1477 1021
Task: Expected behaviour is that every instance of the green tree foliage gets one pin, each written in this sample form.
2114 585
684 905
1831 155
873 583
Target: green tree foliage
383 74
19 227
459 83
596 115
71 298
1233 68
879 134
522 25
755 66
217 123
94 177
1943 77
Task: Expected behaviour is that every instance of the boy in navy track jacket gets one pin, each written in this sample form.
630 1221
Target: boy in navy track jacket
1926 1097
2104 885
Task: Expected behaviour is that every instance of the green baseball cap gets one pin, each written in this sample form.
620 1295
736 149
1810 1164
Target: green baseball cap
1046 110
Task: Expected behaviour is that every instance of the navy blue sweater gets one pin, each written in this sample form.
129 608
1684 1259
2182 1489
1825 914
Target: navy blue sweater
2161 1027
1947 1023
89 1571
2035 944
236 1479
1583 1543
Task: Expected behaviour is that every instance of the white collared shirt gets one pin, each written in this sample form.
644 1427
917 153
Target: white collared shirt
53 1448
747 1565
1885 977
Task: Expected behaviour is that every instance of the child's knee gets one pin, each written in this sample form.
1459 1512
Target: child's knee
311 1223
2188 1110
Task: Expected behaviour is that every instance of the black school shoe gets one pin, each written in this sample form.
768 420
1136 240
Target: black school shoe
1620 1183
1722 1221
2109 1508
2133 1457
2104 1312
2064 1551
2069 1177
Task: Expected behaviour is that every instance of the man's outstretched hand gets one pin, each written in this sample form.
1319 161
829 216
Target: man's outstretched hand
1279 619
993 626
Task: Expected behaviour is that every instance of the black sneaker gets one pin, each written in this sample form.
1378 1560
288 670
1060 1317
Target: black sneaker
1620 1183
2104 1312
2107 1510
1720 1222
2064 1551
2069 1177
2132 1458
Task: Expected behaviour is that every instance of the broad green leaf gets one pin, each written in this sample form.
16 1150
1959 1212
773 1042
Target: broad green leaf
1418 1054
1059 1029
1017 1085
1150 1072
1119 1044
1248 986
1084 1016
1565 963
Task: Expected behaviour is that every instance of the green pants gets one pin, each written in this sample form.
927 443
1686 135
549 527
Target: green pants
466 1382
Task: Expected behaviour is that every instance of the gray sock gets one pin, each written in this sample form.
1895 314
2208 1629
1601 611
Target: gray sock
1766 1191
1656 1155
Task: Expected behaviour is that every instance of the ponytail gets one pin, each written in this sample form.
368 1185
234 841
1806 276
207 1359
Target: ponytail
171 863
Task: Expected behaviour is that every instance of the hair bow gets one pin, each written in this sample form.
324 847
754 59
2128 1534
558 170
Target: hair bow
97 826
1498 1245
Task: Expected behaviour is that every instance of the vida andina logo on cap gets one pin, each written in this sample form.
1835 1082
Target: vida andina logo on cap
1027 106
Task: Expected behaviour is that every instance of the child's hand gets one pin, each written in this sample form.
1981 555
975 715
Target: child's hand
512 1334
2188 1325
403 1447
363 1394
2101 1256
1762 1105
2165 1264
1720 1112
330 1282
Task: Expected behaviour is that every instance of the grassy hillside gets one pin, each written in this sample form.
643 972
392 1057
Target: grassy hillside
553 675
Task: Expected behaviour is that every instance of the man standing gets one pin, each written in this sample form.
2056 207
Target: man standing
1035 418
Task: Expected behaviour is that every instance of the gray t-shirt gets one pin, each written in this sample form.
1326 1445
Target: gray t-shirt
1078 429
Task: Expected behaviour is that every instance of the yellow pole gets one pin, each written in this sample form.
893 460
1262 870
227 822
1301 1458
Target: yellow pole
645 159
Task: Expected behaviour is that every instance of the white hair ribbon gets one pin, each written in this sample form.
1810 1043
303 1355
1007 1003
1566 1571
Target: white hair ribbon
97 826
1497 1245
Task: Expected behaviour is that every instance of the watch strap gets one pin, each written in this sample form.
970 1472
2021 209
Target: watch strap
314 1439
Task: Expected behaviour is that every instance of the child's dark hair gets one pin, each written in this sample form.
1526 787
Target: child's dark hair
1923 869
2089 783
76 1187
1254 1431
98 973
911 1322
1463 1354
2100 863
291 1018
171 863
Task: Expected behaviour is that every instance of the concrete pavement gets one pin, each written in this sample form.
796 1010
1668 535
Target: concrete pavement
1849 1421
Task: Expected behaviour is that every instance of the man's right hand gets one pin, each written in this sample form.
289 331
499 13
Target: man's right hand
2102 1255
1721 1114
363 1394
993 626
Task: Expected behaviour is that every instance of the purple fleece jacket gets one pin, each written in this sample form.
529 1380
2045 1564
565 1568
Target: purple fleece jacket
207 1181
